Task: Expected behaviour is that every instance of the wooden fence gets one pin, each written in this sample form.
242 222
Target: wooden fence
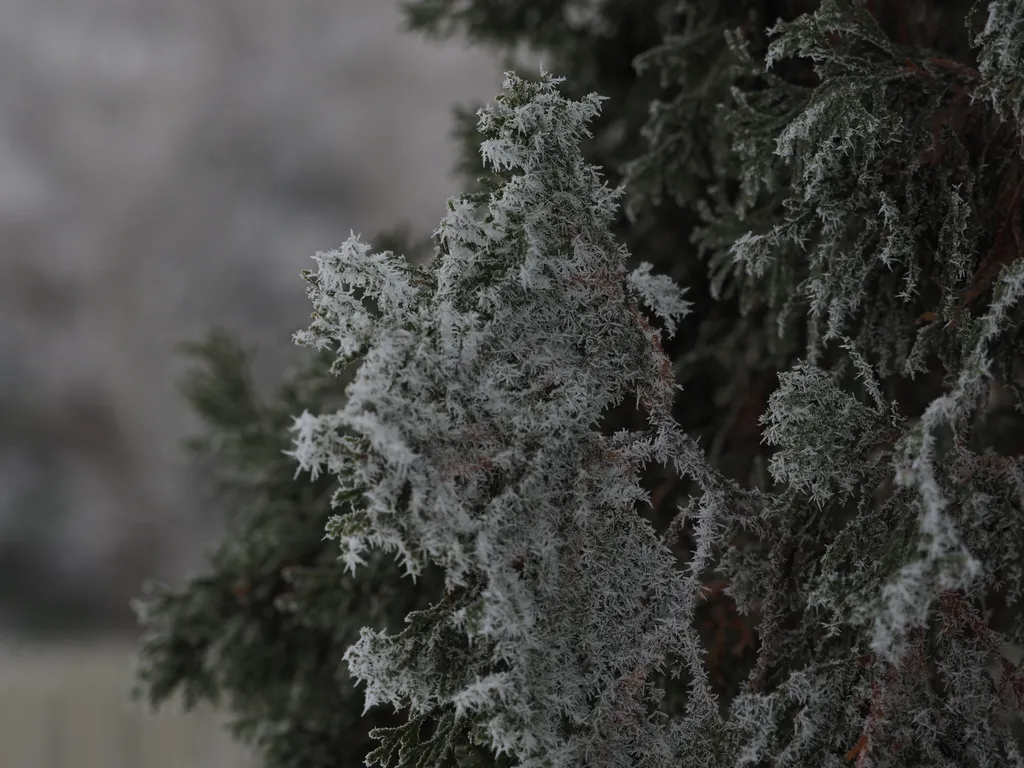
69 707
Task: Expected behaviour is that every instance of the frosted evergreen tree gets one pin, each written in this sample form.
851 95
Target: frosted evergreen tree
854 172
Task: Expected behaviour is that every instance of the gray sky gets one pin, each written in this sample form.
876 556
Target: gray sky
165 166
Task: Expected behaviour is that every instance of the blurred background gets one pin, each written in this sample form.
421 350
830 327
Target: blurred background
166 167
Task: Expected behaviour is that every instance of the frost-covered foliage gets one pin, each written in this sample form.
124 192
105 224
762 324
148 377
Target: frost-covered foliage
1001 45
852 171
476 408
870 214
872 193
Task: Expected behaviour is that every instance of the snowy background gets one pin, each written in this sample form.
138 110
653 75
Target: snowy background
166 166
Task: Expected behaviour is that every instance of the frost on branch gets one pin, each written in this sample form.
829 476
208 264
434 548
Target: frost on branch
474 443
1001 59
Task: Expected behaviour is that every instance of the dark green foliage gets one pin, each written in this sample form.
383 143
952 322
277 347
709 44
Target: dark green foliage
264 631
